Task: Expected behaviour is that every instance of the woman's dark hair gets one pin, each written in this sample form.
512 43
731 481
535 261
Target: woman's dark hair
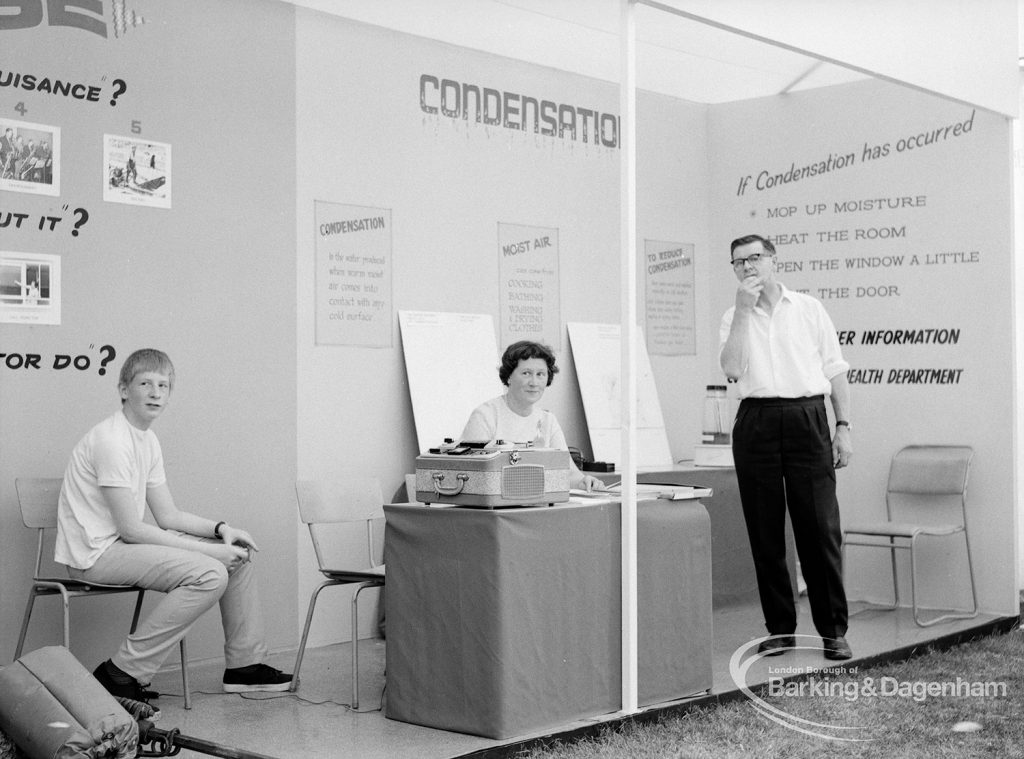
525 349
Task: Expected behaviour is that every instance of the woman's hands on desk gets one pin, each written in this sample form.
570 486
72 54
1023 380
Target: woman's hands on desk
587 482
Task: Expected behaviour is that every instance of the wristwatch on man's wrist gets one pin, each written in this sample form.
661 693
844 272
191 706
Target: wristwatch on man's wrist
844 423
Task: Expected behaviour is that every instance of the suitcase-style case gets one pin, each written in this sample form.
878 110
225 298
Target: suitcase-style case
493 477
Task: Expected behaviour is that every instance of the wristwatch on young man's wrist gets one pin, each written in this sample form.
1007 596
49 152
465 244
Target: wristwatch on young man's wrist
844 423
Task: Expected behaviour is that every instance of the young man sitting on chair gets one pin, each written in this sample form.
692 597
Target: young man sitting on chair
115 471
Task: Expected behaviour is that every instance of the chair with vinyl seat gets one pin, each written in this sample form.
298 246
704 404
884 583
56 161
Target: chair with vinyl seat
341 505
37 498
926 497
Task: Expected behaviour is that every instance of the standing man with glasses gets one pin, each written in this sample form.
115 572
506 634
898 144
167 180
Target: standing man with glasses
781 349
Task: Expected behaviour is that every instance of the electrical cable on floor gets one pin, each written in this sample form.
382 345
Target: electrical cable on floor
309 701
257 696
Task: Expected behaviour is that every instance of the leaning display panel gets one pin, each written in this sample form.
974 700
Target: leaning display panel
507 622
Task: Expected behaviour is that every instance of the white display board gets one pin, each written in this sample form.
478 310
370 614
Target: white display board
596 350
451 361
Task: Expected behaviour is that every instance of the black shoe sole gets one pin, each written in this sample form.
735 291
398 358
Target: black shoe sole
776 646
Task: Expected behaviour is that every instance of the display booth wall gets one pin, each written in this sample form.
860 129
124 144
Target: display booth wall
448 182
276 114
211 280
903 228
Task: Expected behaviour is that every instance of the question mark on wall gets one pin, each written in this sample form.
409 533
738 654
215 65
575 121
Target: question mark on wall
119 89
83 216
109 353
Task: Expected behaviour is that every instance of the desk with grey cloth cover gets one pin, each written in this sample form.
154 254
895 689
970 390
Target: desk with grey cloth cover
507 622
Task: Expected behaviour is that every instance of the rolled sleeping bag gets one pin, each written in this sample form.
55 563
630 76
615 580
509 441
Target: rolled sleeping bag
53 708
8 748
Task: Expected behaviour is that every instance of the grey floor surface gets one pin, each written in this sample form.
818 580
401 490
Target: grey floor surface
317 721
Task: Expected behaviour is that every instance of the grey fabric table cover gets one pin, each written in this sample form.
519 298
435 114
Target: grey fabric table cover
506 622
733 580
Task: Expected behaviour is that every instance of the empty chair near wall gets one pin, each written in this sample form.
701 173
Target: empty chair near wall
926 499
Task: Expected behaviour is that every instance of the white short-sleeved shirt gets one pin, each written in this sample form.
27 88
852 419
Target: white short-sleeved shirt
494 420
794 350
112 454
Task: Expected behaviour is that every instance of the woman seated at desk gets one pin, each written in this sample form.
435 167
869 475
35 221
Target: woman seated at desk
527 368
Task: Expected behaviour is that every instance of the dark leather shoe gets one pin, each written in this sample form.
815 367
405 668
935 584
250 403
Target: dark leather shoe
837 648
775 645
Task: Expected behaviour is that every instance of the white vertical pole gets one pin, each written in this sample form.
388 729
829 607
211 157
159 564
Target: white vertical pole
627 153
1018 318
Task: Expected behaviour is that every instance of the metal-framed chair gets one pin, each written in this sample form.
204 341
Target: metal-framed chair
926 497
357 500
37 498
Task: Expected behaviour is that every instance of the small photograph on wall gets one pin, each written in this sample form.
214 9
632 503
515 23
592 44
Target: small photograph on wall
29 288
136 171
29 157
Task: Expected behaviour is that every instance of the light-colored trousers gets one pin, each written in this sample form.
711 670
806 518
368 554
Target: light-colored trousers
192 583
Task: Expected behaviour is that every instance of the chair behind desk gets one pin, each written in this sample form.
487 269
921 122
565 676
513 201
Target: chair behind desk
322 504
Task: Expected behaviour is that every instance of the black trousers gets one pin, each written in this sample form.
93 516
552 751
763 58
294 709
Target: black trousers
783 456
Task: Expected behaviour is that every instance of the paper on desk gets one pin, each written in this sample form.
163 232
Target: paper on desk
580 493
684 492
668 492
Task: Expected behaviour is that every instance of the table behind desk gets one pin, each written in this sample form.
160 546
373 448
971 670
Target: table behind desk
732 573
506 622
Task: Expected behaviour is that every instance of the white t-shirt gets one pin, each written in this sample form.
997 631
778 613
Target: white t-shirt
112 454
494 420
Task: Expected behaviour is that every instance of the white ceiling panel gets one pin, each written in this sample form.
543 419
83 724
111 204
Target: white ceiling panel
709 57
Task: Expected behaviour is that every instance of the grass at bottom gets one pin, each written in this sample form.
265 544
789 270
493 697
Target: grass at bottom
897 709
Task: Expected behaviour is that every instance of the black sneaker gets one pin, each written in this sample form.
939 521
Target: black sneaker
256 678
130 689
